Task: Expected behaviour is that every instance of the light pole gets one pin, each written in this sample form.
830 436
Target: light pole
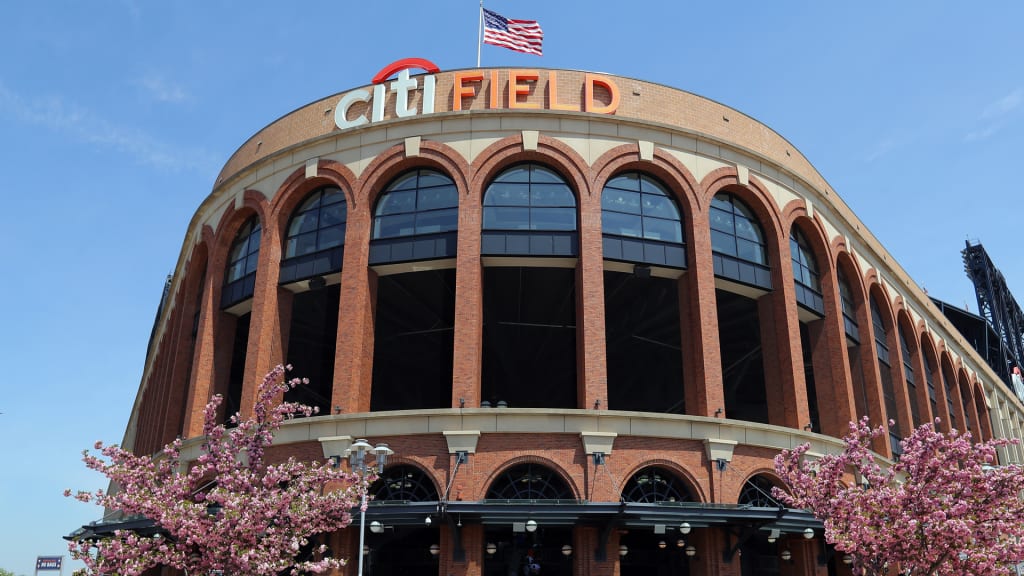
357 463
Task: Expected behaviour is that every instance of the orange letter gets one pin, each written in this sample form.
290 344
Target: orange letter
515 89
463 91
553 93
590 105
495 93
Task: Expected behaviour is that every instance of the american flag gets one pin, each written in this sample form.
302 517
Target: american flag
519 35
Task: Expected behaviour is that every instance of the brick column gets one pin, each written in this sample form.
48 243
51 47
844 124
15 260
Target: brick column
780 342
469 306
698 326
591 353
209 339
353 360
265 348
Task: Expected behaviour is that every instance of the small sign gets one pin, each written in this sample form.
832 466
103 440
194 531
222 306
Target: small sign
49 562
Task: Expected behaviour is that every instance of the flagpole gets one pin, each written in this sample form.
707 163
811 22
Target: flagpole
479 32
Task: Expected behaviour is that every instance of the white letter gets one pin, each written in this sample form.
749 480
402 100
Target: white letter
401 88
341 110
428 94
378 102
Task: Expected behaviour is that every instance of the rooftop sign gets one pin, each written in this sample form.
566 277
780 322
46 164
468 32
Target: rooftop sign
502 88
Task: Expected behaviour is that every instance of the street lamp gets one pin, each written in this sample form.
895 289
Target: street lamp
357 463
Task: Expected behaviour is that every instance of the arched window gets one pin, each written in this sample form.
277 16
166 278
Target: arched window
908 374
738 242
641 222
529 210
805 272
929 368
757 492
316 235
849 308
422 203
656 484
529 482
885 371
240 274
947 378
405 483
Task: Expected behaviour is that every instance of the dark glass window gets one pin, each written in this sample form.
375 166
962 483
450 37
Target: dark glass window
930 380
655 484
240 274
966 402
757 492
529 482
908 374
805 267
735 230
949 399
849 311
885 371
636 205
404 483
318 224
423 201
529 197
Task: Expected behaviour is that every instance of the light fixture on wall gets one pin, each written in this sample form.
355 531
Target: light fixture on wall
808 533
691 551
435 550
376 527
567 550
662 544
531 526
680 543
623 550
685 528
491 548
847 559
786 555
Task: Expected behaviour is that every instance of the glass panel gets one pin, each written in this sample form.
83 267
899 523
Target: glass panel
553 219
236 271
650 186
430 178
332 196
517 174
721 201
629 181
332 215
238 251
304 222
502 218
437 221
404 182
254 240
663 230
331 237
440 197
300 245
251 262
749 251
660 206
747 229
541 174
621 224
551 195
392 226
309 203
723 243
620 201
721 220
507 195
397 202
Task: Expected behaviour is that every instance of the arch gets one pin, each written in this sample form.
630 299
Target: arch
389 164
756 491
807 269
551 152
657 482
663 166
948 373
405 481
754 194
529 480
910 355
883 329
932 376
415 217
296 186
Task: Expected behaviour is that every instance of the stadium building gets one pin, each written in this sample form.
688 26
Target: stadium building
585 311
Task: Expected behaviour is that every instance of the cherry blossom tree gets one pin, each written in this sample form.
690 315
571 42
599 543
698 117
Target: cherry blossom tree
230 511
944 508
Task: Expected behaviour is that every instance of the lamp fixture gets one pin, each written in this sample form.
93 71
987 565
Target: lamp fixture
567 550
531 526
786 555
491 548
435 550
808 533
774 535
685 528
376 527
847 559
623 550
662 544
427 521
680 543
691 551
366 550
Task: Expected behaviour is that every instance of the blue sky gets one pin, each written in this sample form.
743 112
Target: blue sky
115 117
